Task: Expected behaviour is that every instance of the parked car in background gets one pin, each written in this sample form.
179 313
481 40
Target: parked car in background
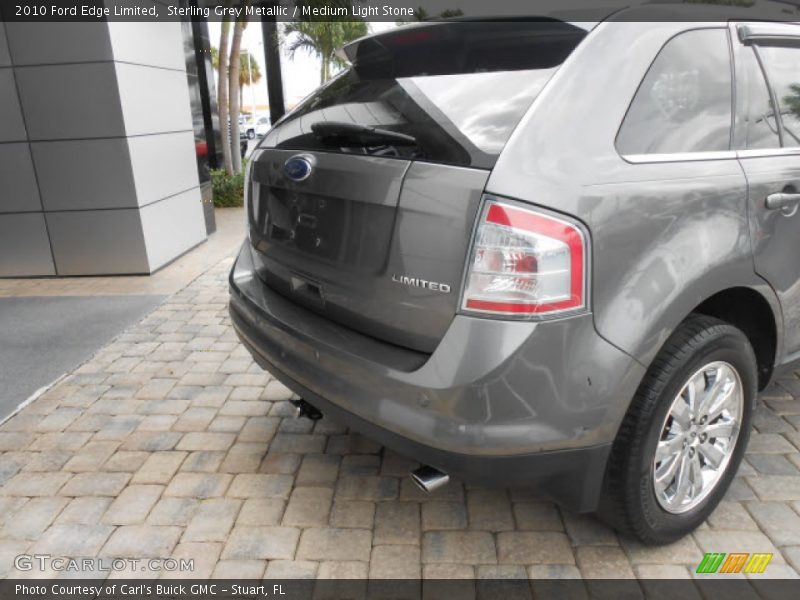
247 124
262 126
548 254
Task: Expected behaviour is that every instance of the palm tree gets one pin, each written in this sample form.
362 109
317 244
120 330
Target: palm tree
248 61
234 88
322 38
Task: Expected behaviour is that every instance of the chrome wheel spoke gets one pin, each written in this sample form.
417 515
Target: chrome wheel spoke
669 448
666 475
713 455
709 396
722 429
683 480
681 414
697 476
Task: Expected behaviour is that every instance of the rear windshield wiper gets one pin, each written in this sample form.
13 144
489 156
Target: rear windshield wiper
349 134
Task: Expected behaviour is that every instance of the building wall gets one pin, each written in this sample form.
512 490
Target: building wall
97 156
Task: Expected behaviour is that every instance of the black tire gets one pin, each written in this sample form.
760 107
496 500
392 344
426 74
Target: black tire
629 501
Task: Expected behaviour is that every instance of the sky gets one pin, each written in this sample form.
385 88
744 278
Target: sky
300 76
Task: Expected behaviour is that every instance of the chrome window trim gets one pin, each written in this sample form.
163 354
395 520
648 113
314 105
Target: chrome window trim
679 157
639 159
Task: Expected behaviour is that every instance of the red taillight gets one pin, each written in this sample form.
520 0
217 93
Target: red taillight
525 262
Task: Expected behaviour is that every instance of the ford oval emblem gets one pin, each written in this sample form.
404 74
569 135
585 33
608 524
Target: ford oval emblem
299 168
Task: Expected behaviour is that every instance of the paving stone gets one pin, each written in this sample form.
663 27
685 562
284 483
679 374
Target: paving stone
280 463
119 428
86 510
308 507
157 423
769 443
244 408
277 391
318 469
244 457
776 487
587 530
731 515
32 519
291 569
198 485
772 464
258 485
203 462
91 456
133 505
34 484
335 544
777 520
792 554
95 484
533 547
395 562
663 572
73 540
212 395
353 514
159 467
204 555
212 521
684 551
142 541
67 441
194 419
537 516
739 491
59 419
461 547
397 523
125 460
239 569
366 488
151 441
47 460
443 515
302 443
603 562
489 510
206 441
258 429
173 511
261 511
227 424
272 543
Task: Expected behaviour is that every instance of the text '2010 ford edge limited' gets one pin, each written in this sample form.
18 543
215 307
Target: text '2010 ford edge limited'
539 253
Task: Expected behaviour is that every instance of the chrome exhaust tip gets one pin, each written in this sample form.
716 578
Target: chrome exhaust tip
429 479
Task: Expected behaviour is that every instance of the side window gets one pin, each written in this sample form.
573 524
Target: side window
684 103
782 64
759 126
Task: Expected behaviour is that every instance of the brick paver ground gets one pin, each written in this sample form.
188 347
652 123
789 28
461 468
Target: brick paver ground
171 442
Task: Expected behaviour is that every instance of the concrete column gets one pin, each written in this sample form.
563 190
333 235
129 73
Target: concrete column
106 158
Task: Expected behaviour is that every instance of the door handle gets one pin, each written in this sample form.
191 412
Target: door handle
782 201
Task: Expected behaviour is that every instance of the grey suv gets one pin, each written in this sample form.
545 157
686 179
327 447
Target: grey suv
539 253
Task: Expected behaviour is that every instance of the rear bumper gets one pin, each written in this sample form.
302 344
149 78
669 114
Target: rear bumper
501 403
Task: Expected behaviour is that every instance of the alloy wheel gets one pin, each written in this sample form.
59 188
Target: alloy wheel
698 437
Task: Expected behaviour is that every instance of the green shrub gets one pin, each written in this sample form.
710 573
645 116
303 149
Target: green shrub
228 190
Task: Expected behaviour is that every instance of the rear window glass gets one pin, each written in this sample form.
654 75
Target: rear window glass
457 89
685 102
783 68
